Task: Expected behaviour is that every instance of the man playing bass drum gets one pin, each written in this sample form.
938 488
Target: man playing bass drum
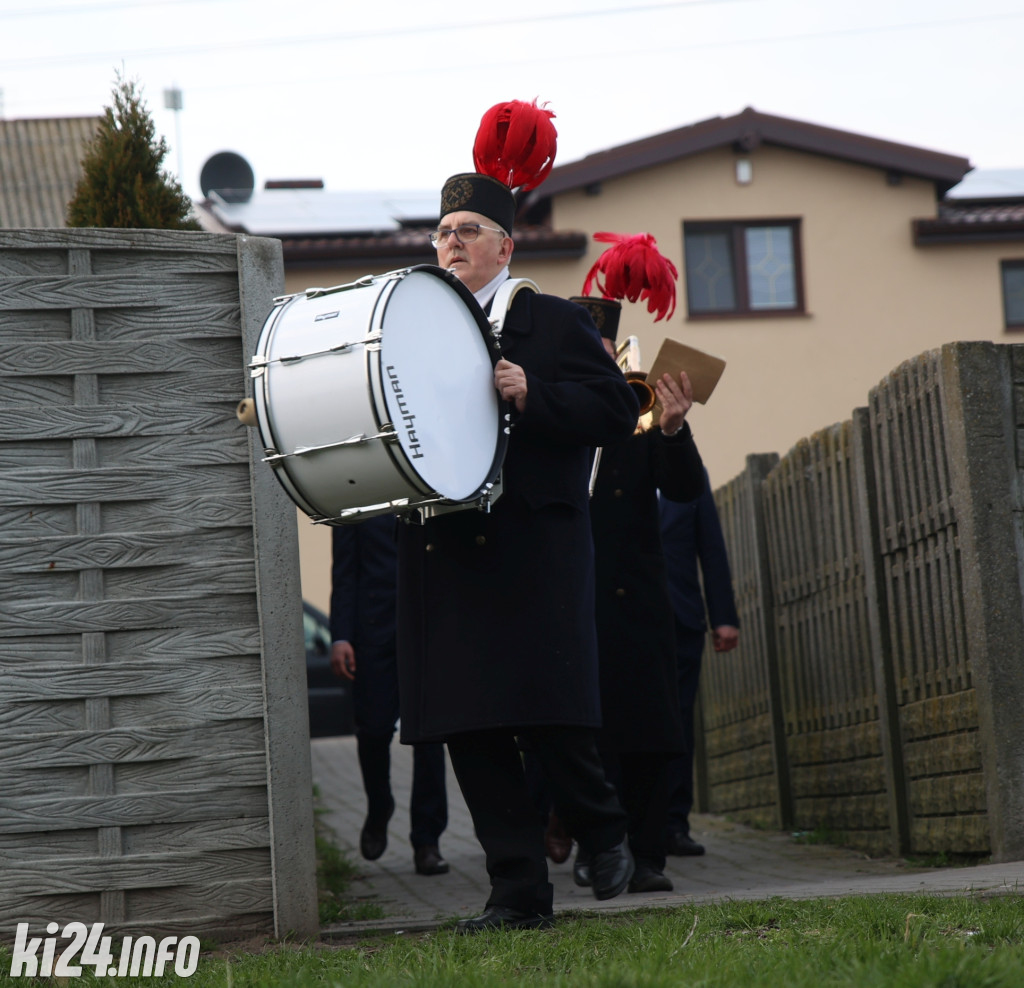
496 610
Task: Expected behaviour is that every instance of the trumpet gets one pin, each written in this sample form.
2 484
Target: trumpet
627 356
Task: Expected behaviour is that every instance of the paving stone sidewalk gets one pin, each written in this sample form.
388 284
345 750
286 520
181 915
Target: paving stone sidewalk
740 863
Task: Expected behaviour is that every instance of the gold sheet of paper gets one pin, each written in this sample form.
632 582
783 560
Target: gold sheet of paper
703 369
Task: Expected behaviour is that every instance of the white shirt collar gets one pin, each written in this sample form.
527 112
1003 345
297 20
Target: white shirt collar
489 290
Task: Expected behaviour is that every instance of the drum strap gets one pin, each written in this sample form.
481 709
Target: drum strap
502 301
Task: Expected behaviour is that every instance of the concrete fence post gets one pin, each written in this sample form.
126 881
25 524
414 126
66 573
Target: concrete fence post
865 495
289 769
758 467
982 384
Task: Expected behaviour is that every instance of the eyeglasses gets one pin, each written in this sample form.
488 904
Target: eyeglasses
465 234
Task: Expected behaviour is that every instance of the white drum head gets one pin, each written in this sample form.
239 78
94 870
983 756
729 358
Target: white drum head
438 381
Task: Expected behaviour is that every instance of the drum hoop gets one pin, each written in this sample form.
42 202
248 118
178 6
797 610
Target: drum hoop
394 449
260 394
375 389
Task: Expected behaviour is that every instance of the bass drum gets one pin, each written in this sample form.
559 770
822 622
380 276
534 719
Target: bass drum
378 397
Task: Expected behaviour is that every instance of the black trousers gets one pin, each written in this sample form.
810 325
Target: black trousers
489 767
689 653
641 780
428 803
375 705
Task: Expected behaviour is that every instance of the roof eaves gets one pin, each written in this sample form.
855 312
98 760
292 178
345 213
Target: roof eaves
746 131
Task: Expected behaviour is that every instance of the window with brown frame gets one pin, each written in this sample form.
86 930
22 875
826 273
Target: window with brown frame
1013 293
743 268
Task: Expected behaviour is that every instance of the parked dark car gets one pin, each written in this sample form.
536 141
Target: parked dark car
330 696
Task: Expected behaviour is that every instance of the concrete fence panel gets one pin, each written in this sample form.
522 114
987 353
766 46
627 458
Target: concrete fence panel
154 761
881 564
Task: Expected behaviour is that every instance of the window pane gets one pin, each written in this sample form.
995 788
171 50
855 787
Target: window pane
709 276
1013 294
770 274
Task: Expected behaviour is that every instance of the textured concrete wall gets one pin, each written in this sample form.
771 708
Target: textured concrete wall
154 756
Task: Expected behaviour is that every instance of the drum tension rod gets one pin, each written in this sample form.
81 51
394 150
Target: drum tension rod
363 282
258 363
360 440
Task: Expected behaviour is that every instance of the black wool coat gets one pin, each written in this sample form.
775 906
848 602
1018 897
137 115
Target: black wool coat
635 628
496 611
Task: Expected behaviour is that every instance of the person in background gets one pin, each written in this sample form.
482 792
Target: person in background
363 590
692 536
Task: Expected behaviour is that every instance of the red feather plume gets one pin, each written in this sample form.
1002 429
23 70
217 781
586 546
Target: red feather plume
633 268
515 144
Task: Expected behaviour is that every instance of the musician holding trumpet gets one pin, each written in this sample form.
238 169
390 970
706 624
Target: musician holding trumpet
497 642
641 724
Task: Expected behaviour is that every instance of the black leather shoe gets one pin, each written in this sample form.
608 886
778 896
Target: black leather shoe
581 869
610 871
557 843
682 845
504 918
429 861
373 839
648 879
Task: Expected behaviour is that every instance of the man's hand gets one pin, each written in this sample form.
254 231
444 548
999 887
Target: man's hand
343 660
675 399
725 637
510 380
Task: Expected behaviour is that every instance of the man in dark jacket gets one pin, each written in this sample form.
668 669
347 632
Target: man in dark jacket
692 535
363 589
496 610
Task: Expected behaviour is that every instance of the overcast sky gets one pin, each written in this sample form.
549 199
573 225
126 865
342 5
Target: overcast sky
387 94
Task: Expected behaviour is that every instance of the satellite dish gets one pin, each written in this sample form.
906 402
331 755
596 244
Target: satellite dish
229 175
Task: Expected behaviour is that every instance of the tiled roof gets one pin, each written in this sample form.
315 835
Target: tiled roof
988 213
964 223
40 165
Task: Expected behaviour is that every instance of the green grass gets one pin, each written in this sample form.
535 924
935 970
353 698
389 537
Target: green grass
856 942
